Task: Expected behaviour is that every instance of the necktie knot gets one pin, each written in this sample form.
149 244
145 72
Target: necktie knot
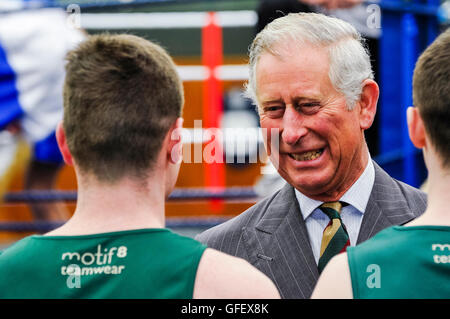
332 209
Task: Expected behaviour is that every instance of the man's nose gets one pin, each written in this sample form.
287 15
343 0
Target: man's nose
293 126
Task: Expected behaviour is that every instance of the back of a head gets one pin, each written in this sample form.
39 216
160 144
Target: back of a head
121 95
349 59
431 94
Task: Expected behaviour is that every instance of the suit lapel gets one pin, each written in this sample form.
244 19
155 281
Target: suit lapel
386 207
279 246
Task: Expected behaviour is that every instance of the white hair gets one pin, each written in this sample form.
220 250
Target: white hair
349 59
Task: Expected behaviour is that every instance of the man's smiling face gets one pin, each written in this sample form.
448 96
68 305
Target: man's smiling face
321 142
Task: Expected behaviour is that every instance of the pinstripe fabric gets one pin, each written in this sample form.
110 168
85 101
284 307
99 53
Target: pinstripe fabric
272 234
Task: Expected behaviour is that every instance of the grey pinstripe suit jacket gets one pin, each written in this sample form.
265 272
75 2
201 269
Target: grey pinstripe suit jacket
272 234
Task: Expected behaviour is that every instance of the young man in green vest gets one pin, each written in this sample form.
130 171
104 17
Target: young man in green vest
410 261
121 131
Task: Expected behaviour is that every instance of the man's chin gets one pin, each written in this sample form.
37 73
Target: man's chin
311 186
311 191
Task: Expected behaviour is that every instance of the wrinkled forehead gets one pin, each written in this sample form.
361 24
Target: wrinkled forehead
290 64
292 56
287 48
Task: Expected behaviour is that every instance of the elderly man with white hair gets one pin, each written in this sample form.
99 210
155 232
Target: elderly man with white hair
311 79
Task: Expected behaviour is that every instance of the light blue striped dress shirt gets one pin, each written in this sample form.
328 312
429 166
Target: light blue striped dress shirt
357 197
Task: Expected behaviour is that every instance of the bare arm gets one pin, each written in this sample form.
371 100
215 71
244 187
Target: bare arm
335 281
226 277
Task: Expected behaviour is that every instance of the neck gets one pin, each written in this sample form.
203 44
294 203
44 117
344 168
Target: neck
437 207
116 207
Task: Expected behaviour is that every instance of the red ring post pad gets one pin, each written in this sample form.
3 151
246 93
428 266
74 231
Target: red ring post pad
212 57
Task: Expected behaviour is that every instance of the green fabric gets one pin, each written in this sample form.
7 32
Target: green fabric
402 262
331 213
336 245
144 263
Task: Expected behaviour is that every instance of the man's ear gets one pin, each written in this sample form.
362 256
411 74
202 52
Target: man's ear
175 143
416 128
368 103
62 144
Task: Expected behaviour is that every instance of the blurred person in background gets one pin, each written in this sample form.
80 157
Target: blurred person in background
33 44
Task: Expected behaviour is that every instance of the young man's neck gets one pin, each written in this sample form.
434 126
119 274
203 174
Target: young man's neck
124 205
437 212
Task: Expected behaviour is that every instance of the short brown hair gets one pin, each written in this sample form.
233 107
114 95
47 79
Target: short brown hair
121 95
431 93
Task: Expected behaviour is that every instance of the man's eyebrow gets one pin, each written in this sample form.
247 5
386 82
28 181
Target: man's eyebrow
295 100
271 101
300 99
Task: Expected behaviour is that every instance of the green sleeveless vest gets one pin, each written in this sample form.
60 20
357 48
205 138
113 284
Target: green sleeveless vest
144 263
402 262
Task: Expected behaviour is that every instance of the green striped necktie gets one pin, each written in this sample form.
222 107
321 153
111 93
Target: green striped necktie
335 237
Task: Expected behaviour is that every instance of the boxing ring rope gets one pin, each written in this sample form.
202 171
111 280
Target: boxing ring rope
14 5
179 194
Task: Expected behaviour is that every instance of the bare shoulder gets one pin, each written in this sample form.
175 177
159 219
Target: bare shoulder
223 276
335 281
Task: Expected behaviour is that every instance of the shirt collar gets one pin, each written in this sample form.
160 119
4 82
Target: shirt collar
357 195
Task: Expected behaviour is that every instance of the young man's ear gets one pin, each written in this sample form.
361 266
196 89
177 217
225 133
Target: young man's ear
416 128
368 103
62 143
175 146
